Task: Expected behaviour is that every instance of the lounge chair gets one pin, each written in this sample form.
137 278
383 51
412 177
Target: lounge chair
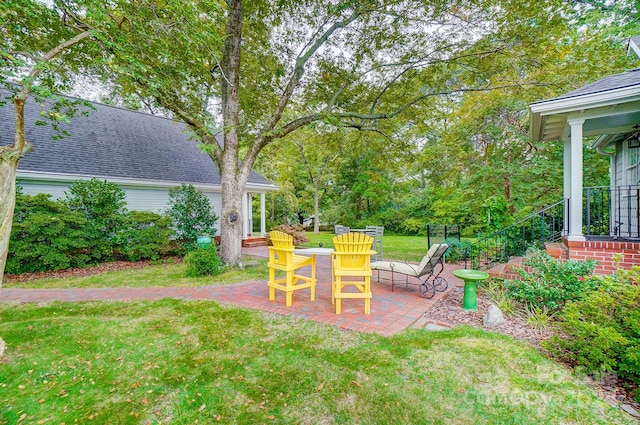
427 272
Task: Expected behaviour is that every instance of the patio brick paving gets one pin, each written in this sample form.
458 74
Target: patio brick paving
391 312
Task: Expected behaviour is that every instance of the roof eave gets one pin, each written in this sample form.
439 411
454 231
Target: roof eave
565 105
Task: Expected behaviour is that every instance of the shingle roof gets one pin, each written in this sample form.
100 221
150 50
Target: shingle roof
610 82
117 143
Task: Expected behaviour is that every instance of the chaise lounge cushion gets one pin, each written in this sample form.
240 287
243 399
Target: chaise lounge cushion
426 265
395 266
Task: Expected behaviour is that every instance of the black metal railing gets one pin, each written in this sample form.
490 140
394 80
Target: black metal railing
546 225
612 212
438 233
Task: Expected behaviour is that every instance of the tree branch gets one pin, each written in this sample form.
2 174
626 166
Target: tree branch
20 98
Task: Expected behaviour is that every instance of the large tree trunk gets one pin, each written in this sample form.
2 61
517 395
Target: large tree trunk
231 220
9 158
230 176
8 167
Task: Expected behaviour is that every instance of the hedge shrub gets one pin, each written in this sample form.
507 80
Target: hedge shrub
295 230
551 283
103 205
47 235
146 235
203 262
601 332
191 215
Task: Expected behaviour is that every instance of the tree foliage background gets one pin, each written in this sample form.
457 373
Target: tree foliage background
392 112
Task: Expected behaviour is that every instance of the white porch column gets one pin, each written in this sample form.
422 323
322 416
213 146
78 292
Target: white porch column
263 215
245 216
249 214
566 194
575 202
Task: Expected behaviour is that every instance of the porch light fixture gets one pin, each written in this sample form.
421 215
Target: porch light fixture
634 140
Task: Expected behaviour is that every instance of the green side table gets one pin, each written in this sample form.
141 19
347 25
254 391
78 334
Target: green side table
471 279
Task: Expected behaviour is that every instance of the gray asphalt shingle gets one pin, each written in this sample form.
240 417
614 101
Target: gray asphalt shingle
114 142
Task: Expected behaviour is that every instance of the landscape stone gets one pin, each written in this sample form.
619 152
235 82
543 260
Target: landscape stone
630 410
493 317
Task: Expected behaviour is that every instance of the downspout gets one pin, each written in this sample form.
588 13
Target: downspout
612 163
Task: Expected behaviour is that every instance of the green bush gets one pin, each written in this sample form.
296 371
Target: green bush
551 283
47 235
146 236
295 230
203 262
601 332
191 215
103 205
457 249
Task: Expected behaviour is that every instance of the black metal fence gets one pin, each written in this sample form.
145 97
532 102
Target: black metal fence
546 225
438 233
612 212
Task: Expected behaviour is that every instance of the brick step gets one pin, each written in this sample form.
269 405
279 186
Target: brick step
252 242
557 250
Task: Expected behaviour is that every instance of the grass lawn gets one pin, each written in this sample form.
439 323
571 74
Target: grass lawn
159 275
404 248
179 362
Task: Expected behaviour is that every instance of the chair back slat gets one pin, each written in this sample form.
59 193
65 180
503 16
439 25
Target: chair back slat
282 247
355 243
433 257
281 239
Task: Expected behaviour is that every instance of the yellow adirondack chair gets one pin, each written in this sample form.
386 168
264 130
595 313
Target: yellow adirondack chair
351 259
282 259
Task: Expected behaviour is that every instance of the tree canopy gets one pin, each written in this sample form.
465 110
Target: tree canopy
436 89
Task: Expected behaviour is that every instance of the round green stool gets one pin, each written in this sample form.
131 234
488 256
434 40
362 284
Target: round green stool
471 279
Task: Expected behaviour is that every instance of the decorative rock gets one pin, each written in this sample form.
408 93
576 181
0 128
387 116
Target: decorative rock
493 317
630 410
436 327
248 264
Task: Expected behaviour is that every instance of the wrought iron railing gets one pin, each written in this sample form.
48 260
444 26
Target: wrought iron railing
612 212
546 225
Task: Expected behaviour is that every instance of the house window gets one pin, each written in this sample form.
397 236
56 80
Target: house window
632 166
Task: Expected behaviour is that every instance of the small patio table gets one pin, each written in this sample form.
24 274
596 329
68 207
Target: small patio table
316 251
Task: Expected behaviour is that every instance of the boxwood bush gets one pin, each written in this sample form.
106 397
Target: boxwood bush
203 262
551 283
146 235
47 235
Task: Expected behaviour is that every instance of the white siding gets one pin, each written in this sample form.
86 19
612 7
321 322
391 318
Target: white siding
620 165
137 198
148 199
55 189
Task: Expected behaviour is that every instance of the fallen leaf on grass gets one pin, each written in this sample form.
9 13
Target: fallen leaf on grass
319 387
356 383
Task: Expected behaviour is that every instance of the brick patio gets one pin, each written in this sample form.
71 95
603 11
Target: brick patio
391 312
